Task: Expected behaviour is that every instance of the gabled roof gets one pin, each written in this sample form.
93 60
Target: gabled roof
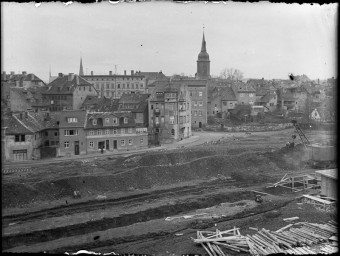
79 114
266 98
118 114
261 91
163 87
133 98
21 77
226 93
152 75
62 85
239 86
14 126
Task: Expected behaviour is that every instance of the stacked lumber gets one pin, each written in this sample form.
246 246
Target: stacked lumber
296 239
328 249
213 241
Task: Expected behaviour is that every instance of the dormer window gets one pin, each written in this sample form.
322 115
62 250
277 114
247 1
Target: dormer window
94 121
125 120
72 120
107 120
115 120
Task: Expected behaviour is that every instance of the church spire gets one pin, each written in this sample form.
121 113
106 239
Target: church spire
81 71
203 48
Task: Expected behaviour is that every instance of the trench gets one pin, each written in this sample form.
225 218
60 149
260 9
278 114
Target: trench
122 220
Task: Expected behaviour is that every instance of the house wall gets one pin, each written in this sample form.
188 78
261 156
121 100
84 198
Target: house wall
138 141
245 98
80 93
115 86
30 145
17 102
52 137
329 187
70 151
194 92
228 105
216 105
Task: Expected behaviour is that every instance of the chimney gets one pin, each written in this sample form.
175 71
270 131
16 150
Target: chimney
24 72
132 72
70 77
110 72
12 72
60 75
26 114
91 73
124 72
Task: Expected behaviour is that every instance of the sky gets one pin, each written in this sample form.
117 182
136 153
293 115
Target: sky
263 40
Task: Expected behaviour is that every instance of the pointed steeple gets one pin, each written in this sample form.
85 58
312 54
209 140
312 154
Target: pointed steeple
203 48
81 70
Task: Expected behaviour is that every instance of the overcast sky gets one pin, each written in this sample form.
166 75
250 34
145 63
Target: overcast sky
261 39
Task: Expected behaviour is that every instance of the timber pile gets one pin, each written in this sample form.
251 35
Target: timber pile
297 239
213 241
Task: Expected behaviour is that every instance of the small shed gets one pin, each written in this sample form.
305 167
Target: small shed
329 180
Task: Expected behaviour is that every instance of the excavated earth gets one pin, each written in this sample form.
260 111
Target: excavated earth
125 200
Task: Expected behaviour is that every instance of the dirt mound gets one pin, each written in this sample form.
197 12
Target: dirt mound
143 177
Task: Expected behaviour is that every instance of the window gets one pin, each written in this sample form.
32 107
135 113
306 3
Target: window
151 107
71 132
91 144
118 86
200 113
136 86
190 93
195 103
122 131
107 120
107 86
66 144
56 134
271 104
171 119
224 103
122 142
195 113
91 132
46 133
130 130
200 103
200 94
107 94
112 86
141 86
125 120
130 141
173 132
99 132
19 138
115 131
132 86
94 121
141 141
107 131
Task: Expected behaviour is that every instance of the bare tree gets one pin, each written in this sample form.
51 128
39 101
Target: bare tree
231 74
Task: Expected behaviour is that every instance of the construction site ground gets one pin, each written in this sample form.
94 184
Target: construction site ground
126 200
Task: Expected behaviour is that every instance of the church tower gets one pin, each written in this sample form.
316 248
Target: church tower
81 71
203 62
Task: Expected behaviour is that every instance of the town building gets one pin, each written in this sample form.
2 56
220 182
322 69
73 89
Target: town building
169 112
151 77
72 136
24 135
223 100
245 93
113 86
67 92
23 80
138 105
114 131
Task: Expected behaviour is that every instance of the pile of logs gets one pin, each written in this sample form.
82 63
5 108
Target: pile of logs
212 241
295 239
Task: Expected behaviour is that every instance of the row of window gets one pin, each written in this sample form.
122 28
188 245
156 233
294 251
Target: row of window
182 119
114 120
122 143
200 113
196 93
111 131
199 103
171 106
113 79
120 86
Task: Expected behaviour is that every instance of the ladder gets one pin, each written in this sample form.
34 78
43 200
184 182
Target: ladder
303 137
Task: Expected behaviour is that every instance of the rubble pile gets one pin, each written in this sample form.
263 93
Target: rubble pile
297 239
